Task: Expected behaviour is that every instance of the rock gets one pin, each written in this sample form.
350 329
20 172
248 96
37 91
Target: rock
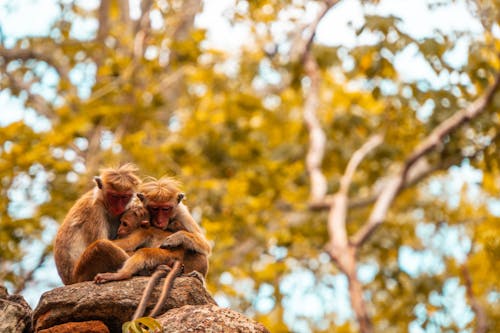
208 318
15 313
93 326
112 303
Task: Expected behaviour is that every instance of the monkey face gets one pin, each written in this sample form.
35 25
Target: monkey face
116 202
161 214
127 224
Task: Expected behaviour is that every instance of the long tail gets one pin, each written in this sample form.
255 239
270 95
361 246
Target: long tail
167 286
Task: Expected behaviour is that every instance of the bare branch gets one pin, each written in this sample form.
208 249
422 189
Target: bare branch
28 277
36 101
449 125
337 216
415 166
413 178
141 30
186 20
356 159
27 54
304 44
317 137
103 18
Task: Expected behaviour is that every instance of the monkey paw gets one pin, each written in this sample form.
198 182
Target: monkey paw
106 277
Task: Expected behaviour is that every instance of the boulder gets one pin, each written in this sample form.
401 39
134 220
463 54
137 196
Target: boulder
207 318
112 303
15 313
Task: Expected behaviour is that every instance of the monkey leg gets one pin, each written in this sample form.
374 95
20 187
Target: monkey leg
195 262
100 256
145 259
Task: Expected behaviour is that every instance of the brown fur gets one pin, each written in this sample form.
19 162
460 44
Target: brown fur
166 190
89 220
152 247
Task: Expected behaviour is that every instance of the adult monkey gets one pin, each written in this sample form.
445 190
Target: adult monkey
96 215
163 200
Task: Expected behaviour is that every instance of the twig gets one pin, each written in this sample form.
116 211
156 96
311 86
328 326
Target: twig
28 277
481 318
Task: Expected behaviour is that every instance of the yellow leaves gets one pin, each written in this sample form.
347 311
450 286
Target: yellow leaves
365 62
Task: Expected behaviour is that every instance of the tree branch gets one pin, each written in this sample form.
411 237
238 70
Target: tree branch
304 44
412 179
29 275
337 216
415 166
449 125
36 101
481 318
317 137
27 54
103 18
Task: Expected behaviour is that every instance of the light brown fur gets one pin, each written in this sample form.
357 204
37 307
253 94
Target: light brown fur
149 251
90 220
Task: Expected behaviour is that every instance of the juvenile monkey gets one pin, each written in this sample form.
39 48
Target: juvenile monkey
143 241
95 216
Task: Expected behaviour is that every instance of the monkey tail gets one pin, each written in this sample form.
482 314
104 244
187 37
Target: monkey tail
160 272
177 269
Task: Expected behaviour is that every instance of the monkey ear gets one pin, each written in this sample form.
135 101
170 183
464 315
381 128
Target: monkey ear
180 197
98 181
141 196
144 223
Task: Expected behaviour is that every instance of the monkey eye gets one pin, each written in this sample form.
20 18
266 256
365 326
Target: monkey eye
166 209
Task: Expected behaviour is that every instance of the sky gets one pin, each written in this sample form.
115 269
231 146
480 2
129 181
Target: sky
31 17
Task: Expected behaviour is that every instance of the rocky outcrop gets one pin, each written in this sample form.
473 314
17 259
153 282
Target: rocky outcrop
91 308
111 303
15 313
208 318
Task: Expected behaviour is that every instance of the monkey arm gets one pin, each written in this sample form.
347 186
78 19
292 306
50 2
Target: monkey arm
137 239
189 241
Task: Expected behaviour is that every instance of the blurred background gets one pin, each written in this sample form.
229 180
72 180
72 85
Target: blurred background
258 107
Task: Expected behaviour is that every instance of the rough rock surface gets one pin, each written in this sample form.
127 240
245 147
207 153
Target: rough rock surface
112 303
93 326
208 318
15 313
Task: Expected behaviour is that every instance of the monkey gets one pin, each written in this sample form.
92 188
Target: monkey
95 216
135 216
180 238
163 200
134 231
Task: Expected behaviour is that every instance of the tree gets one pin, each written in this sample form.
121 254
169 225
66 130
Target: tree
297 156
